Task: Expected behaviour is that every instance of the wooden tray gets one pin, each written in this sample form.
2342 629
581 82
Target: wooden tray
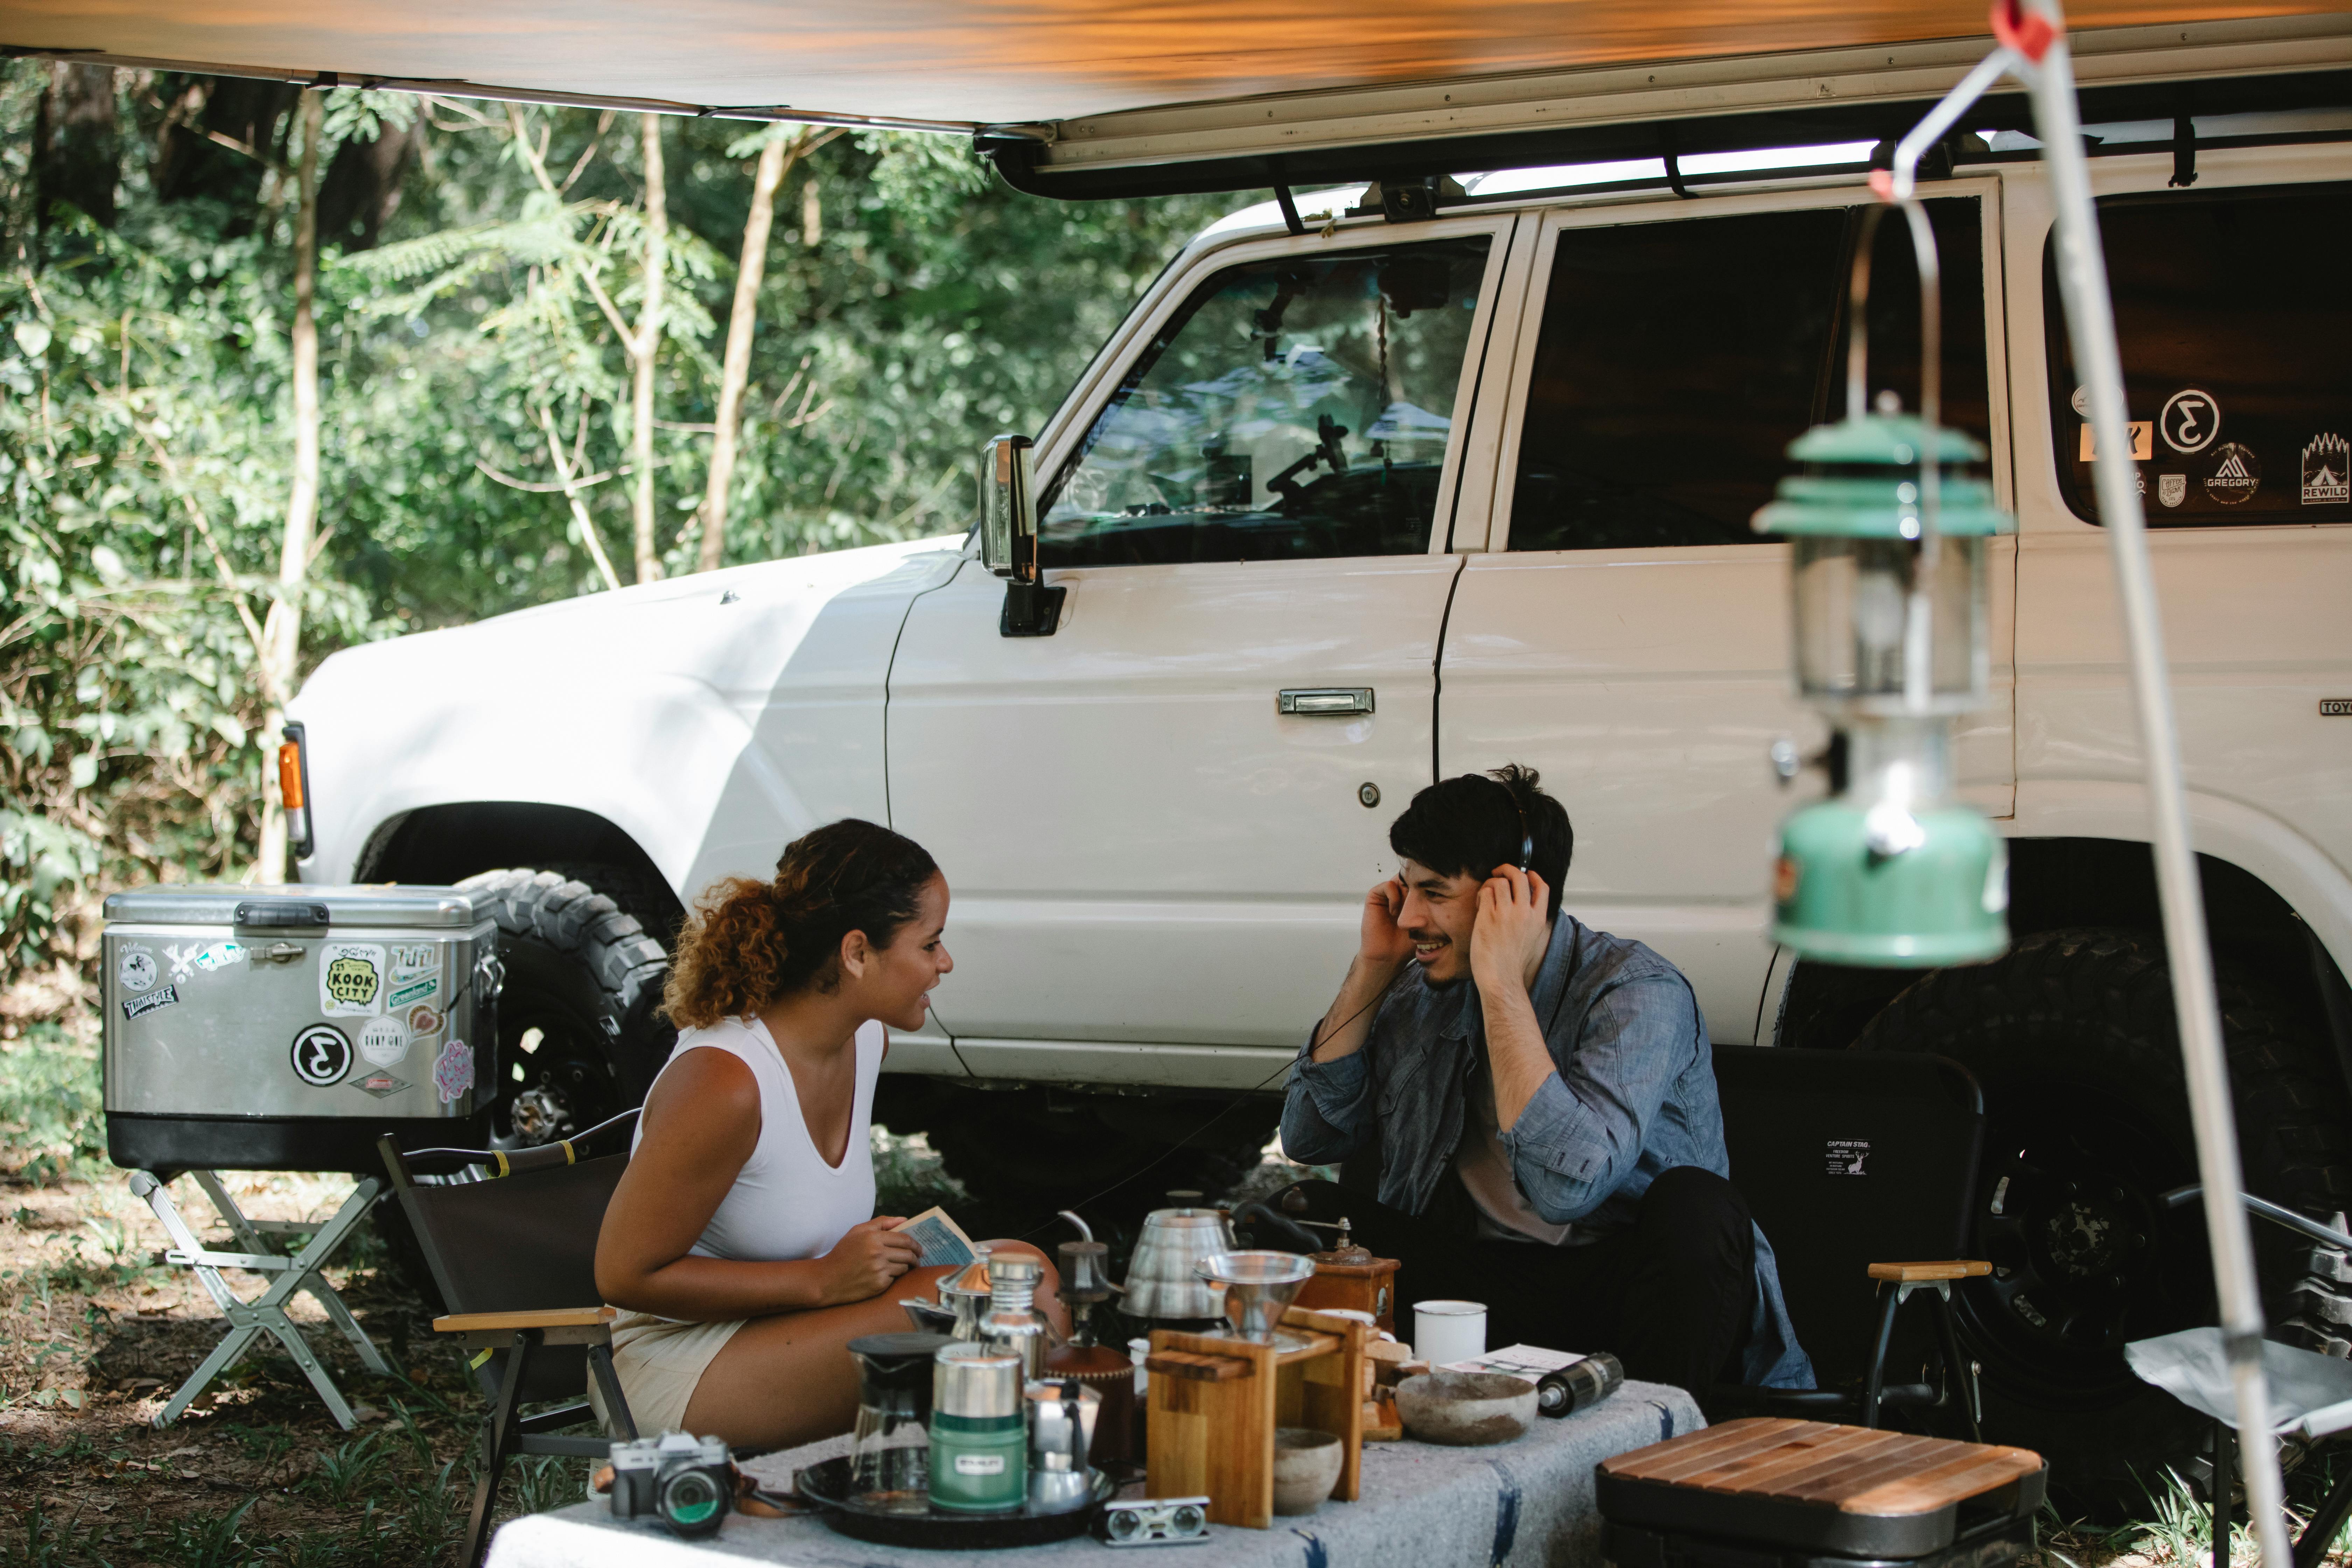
1846 1490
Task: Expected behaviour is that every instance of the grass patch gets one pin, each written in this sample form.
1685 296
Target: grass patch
52 1110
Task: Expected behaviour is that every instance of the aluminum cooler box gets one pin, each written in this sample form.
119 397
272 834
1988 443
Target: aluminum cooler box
287 1029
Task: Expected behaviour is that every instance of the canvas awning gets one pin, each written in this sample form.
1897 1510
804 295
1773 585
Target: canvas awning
1212 93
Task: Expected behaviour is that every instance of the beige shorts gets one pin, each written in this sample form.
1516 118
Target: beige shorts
659 1362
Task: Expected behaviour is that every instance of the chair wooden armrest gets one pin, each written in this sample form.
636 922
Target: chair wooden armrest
1921 1273
560 1326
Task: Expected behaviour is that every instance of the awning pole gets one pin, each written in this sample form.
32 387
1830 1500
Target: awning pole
2032 38
2091 328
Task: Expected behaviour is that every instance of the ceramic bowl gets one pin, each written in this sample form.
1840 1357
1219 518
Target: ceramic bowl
1307 1466
1466 1409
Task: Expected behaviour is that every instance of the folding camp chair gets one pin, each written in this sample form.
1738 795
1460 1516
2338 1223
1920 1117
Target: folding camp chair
515 1258
1859 1166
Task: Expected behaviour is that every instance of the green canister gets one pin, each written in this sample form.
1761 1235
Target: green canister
979 1433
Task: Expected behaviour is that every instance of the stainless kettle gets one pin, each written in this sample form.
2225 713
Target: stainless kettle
1160 1279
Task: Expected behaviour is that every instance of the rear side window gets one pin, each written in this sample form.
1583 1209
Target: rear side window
2236 328
1295 408
1677 361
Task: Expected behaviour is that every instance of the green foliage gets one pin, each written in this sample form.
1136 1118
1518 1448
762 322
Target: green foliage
912 306
51 1119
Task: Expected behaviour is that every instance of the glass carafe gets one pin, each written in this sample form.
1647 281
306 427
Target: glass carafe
889 1449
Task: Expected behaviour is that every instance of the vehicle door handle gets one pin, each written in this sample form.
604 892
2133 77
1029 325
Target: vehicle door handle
1323 701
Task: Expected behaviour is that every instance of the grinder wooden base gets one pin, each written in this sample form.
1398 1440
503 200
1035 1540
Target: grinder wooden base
1216 1401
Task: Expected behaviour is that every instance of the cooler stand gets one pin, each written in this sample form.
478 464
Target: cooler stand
265 1253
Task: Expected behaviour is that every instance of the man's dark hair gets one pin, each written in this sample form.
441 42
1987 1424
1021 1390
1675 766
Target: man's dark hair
1470 825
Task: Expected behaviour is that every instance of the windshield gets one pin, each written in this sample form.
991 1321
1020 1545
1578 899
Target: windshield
1294 408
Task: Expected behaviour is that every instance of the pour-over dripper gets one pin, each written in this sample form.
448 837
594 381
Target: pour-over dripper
1259 1287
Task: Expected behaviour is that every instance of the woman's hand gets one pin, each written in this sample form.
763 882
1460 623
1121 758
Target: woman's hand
1507 943
868 1261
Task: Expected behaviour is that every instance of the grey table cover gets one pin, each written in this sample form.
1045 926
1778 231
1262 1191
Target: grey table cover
1523 1504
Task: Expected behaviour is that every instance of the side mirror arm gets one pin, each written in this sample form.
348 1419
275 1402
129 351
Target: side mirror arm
1008 537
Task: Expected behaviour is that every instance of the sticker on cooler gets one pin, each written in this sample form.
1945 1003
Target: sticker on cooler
383 1041
321 1055
409 992
1847 1156
139 1007
379 1084
2191 420
2326 471
2143 442
2237 474
351 979
411 959
424 1023
135 970
453 1073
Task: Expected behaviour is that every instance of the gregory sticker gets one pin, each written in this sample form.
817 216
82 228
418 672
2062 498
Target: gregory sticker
321 1056
2237 474
2191 420
411 959
383 1041
135 970
408 992
379 1084
351 979
2172 488
2326 471
139 1007
453 1074
1846 1156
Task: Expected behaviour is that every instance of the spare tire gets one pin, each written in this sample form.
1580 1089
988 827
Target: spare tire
580 1032
2072 1036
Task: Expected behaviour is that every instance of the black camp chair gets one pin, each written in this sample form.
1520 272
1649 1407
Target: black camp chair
1860 1166
515 1258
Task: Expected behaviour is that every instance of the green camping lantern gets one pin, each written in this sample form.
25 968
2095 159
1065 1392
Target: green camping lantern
1889 530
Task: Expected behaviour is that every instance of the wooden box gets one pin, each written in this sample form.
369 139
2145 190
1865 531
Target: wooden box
1216 1401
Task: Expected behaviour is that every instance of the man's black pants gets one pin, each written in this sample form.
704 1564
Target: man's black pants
1670 1295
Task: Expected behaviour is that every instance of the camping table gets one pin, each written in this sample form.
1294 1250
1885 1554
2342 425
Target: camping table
1524 1504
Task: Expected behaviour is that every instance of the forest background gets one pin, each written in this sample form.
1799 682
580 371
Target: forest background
486 277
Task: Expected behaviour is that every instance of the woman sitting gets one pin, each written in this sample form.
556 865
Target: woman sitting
743 1241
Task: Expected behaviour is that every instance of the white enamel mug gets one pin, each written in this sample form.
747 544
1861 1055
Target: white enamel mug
1446 1331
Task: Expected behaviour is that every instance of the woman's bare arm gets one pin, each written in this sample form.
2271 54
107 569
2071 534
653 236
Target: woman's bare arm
701 1123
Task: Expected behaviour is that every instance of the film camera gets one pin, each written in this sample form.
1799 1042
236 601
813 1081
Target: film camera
688 1483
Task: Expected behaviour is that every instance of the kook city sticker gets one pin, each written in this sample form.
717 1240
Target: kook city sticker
2191 420
135 970
2326 471
139 1007
383 1041
2237 474
453 1073
2172 488
408 992
351 979
321 1056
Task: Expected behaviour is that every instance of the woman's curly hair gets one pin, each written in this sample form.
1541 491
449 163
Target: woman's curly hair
748 944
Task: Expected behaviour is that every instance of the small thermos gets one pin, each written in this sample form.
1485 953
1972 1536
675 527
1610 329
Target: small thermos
1014 1322
980 1436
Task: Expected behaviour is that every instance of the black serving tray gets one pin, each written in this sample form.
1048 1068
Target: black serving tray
824 1486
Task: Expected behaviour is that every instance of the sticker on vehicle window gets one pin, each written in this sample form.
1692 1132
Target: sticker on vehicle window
2237 474
2191 420
2172 488
2143 444
2326 471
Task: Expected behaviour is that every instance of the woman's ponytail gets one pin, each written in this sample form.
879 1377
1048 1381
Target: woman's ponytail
750 944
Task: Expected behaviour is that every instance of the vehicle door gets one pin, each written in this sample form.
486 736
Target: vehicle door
1159 821
1626 632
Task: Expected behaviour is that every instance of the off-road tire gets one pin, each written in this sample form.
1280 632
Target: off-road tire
583 971
2072 1036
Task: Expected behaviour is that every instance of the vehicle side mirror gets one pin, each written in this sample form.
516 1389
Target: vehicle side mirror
1008 537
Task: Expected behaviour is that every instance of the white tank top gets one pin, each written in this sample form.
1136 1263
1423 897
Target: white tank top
787 1203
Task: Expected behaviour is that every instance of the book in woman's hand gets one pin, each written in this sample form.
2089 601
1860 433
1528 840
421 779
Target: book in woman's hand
942 1240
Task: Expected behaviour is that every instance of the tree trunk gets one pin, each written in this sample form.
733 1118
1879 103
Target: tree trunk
776 159
657 264
75 149
282 632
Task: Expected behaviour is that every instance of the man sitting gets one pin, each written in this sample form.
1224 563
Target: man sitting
1541 1100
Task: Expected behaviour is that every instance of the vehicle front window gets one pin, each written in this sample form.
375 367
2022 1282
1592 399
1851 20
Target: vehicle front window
2233 315
1295 408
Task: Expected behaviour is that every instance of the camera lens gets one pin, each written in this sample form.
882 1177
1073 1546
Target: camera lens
692 1503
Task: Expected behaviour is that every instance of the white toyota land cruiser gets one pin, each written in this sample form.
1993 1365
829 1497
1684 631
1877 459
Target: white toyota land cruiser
1461 474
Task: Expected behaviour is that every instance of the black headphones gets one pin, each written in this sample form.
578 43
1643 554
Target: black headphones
1526 834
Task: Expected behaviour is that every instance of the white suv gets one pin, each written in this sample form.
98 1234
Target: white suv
1342 510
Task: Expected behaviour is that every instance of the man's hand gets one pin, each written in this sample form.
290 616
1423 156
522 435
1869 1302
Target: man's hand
868 1259
1379 940
1507 943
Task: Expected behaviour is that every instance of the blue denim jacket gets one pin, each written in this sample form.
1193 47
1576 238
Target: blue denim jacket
1633 1094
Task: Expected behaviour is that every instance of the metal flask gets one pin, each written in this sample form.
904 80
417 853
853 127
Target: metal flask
1162 1283
1061 1432
1013 1323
